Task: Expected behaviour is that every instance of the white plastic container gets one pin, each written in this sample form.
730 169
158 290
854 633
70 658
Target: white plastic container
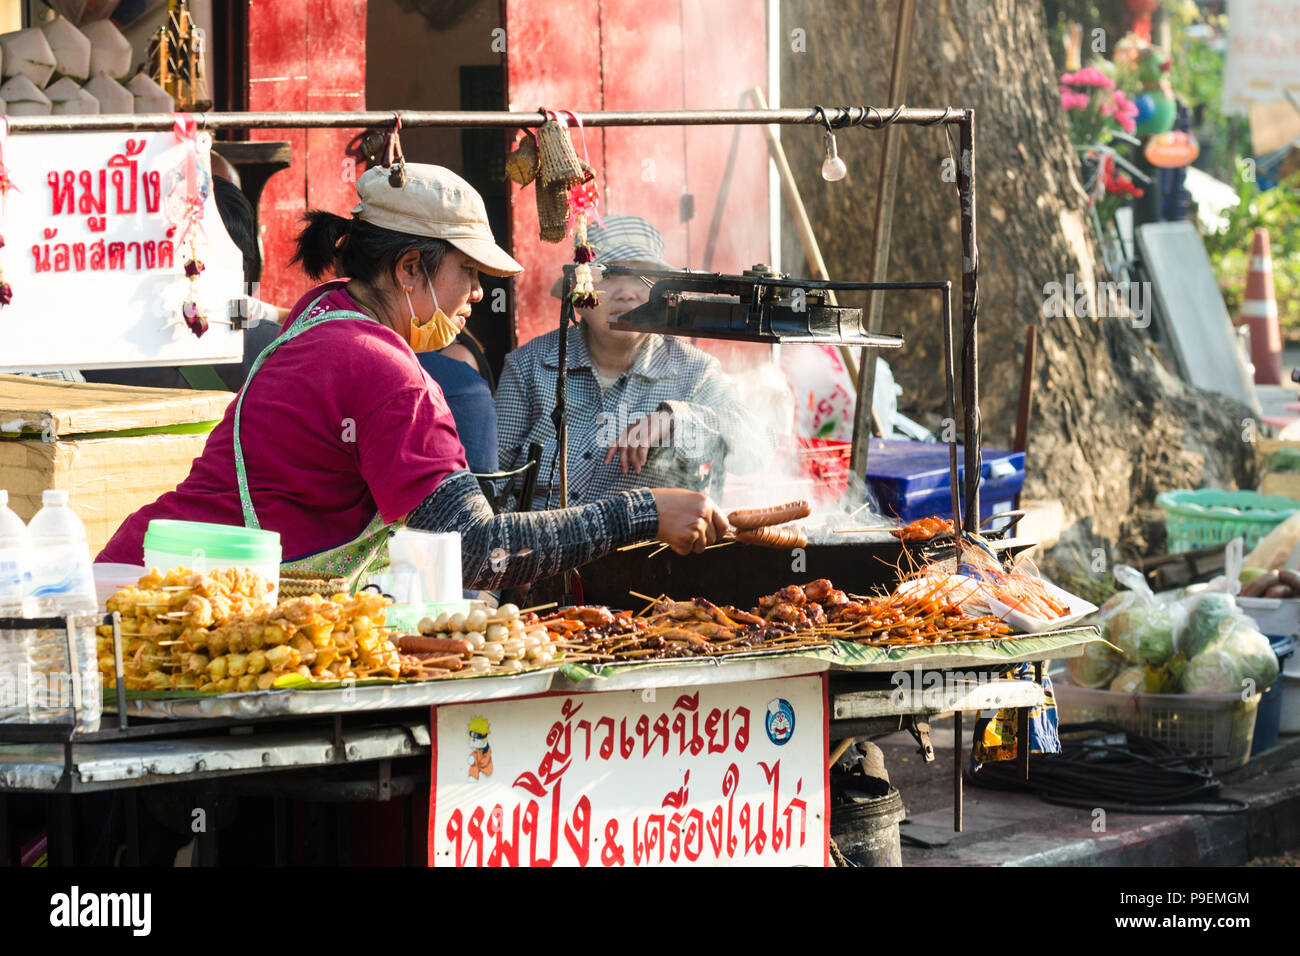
202 547
62 583
13 589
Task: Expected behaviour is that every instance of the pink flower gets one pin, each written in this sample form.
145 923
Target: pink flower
1073 100
1089 76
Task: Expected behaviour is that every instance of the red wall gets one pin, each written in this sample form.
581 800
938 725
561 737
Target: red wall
304 55
585 55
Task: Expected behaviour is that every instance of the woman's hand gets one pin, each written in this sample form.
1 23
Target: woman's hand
633 446
688 520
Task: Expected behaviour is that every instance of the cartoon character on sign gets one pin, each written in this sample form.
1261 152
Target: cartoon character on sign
780 721
480 752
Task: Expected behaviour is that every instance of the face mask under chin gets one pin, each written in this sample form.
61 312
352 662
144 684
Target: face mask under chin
434 334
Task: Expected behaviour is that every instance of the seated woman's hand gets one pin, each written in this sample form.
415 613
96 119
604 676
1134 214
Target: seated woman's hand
688 520
633 445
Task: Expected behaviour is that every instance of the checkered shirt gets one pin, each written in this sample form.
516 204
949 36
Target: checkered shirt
712 431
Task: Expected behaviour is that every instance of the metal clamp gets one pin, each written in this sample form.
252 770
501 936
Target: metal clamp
920 731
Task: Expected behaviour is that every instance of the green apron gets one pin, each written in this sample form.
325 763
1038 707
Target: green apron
353 559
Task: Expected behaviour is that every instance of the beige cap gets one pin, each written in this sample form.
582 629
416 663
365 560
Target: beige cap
437 203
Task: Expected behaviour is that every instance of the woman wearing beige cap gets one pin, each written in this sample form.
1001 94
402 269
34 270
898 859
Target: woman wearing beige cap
339 435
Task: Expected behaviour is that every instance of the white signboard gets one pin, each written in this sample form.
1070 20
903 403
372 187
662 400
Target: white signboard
93 254
1263 56
731 774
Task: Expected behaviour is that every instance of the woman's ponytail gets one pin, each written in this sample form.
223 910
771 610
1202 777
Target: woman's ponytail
319 249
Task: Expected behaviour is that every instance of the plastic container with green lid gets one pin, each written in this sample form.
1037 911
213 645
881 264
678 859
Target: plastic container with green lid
207 547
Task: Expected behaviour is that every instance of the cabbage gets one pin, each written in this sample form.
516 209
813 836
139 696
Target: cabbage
1144 633
1214 617
1130 680
1253 655
1094 667
1213 671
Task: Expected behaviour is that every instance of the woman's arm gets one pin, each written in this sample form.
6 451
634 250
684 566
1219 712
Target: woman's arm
506 550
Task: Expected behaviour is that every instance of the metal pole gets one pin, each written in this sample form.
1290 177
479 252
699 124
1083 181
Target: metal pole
970 259
878 266
802 224
956 771
871 117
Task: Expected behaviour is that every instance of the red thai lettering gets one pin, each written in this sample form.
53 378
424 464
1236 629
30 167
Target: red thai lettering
504 851
152 192
755 839
79 256
626 743
97 257
89 204
165 249
42 256
773 775
135 246
711 722
611 854
577 831
694 842
150 254
607 745
62 192
62 258
742 732
689 704
116 255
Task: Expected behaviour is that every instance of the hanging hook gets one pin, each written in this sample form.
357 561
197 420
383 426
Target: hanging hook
822 111
394 160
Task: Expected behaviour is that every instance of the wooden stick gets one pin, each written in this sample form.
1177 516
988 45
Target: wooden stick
540 607
840 747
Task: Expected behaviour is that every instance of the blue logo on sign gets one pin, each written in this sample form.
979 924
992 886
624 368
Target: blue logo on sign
780 721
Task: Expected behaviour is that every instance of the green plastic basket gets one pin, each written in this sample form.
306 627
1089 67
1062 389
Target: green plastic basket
1205 518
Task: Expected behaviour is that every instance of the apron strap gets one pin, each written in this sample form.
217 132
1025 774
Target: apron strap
241 473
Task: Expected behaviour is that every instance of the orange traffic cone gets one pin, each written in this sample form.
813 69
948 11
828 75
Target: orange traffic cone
1259 313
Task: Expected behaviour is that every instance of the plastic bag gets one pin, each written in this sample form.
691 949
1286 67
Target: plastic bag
1095 667
1143 627
1252 653
1213 616
1213 671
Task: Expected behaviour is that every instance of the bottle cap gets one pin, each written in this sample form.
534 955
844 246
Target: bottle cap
52 496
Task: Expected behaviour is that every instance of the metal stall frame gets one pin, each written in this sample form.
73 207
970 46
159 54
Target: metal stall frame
842 117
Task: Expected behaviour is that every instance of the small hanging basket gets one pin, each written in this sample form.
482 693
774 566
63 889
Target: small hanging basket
558 159
553 211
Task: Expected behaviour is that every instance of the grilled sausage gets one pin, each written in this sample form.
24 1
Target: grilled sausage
1257 587
787 537
747 519
419 644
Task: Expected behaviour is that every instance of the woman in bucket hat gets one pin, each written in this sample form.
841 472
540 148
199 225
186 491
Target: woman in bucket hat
339 436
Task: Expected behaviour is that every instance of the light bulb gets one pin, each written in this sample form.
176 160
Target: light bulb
833 169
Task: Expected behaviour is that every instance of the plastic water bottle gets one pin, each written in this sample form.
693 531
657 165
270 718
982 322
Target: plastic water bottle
62 583
13 589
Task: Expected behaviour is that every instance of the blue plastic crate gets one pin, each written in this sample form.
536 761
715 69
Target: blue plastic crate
910 479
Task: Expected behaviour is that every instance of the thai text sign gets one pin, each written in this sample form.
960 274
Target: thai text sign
717 774
1263 53
94 252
